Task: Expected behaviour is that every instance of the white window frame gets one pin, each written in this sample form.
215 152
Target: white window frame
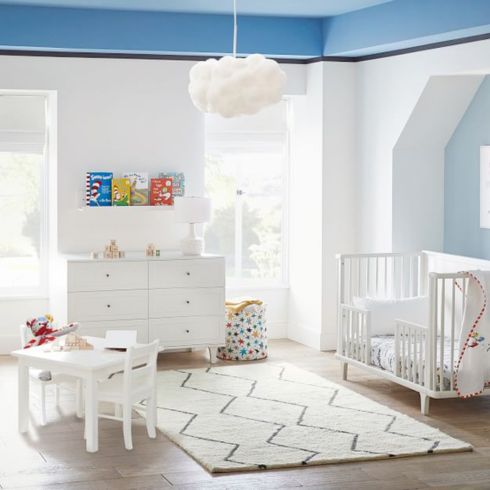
238 283
42 291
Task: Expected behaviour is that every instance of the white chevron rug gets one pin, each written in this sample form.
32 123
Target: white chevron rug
259 416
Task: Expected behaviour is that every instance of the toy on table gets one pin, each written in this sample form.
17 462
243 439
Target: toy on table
75 342
43 330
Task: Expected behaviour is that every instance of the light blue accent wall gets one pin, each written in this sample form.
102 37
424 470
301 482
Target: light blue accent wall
462 232
74 29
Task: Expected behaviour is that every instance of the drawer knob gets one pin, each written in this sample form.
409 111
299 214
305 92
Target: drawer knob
107 275
188 273
108 306
187 331
187 301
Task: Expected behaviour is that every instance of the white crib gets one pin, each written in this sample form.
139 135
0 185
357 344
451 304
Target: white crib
424 353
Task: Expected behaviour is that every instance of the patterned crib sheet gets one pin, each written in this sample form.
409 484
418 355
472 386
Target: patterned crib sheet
383 355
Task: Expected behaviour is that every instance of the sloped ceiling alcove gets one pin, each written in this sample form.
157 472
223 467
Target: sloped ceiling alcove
418 162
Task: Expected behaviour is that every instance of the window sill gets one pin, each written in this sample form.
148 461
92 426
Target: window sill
243 286
22 297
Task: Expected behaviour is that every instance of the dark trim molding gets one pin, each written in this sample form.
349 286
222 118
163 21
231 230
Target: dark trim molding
138 56
185 57
399 52
425 47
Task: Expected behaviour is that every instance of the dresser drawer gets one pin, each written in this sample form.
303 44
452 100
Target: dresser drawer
98 329
113 305
186 302
189 331
105 275
185 273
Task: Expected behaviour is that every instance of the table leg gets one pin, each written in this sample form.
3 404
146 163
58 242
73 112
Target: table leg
79 398
23 380
91 415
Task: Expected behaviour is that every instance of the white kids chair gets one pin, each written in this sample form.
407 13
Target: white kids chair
44 378
136 383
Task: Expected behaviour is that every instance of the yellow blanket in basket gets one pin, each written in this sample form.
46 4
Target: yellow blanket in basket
236 306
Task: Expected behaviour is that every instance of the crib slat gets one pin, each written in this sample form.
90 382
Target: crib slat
350 281
442 332
367 276
403 353
414 360
385 277
420 358
410 277
409 352
419 275
346 333
453 300
349 334
432 354
463 297
393 286
359 276
402 289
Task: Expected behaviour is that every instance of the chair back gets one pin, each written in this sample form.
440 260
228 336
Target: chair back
140 366
24 335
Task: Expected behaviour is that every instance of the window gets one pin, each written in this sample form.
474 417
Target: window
23 191
246 178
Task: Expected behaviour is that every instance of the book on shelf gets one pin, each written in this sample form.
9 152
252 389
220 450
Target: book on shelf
178 182
98 188
161 192
139 188
121 192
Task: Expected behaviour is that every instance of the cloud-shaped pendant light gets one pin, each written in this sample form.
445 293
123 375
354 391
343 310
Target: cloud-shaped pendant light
234 86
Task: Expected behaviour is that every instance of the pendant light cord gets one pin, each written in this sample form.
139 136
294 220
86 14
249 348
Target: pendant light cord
235 29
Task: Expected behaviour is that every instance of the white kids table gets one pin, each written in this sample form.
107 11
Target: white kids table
88 365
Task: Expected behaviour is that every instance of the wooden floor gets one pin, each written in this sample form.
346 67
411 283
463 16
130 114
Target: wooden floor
53 457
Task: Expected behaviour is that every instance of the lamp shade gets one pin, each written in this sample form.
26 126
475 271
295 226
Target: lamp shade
192 209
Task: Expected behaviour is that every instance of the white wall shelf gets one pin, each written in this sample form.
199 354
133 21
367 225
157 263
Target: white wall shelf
158 208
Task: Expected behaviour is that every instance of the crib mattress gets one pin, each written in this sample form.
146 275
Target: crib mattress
383 355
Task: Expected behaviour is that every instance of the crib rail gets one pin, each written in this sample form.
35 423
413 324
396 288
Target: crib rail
387 275
354 335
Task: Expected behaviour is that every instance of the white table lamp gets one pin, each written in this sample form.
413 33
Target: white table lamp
192 210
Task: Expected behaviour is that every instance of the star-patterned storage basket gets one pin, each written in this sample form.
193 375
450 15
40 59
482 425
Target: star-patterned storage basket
246 335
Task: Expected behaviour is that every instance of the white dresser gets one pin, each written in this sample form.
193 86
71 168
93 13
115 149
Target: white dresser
175 298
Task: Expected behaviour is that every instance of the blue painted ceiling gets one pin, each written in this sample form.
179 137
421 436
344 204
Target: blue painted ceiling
278 28
296 8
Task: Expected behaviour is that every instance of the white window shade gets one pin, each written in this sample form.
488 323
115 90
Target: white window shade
22 123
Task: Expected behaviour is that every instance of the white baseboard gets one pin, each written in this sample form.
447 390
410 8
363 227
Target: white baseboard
8 343
304 335
328 342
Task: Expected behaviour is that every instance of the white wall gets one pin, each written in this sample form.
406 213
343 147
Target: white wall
116 115
388 91
323 219
340 184
306 212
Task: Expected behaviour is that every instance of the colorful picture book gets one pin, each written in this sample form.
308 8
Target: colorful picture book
121 192
161 192
98 188
178 182
139 188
